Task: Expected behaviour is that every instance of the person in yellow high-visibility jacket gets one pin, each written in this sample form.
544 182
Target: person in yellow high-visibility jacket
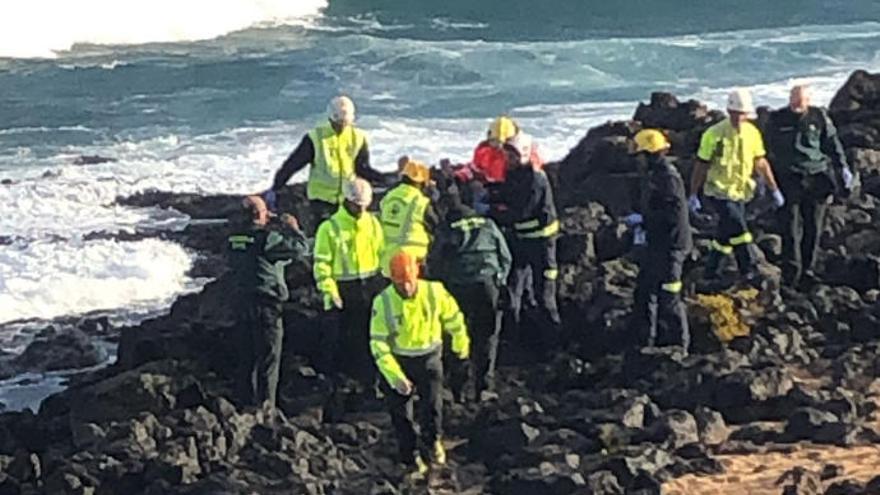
409 318
346 270
407 216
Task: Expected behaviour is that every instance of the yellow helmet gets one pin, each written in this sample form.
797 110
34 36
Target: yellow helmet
502 129
417 172
651 140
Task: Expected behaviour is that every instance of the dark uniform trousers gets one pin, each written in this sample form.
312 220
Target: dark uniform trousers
479 304
262 333
801 220
539 257
346 337
417 428
660 315
732 236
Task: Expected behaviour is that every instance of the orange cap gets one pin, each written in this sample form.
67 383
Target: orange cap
404 268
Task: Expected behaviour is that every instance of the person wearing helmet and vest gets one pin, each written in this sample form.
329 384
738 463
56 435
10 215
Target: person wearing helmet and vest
406 339
337 151
470 256
730 152
490 159
407 216
346 270
258 252
810 165
659 313
531 213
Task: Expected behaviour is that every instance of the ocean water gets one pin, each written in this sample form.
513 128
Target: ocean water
210 96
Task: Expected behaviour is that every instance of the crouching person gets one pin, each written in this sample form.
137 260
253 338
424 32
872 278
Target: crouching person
406 341
259 250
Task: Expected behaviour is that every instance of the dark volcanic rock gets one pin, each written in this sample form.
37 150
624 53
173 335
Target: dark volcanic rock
60 350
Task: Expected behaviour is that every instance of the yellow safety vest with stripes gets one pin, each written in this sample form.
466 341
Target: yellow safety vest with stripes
402 215
414 327
346 248
334 161
731 155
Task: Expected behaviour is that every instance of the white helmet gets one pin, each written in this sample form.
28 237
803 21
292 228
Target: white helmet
341 110
740 100
522 143
359 192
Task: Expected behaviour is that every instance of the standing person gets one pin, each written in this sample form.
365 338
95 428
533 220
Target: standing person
810 165
730 152
406 339
337 151
471 257
490 159
532 214
258 253
346 270
659 313
407 216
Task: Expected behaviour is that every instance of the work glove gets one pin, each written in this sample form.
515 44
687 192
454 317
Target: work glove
640 237
271 199
694 204
332 301
403 387
848 178
633 219
778 198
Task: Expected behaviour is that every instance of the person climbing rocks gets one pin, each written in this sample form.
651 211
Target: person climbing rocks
337 151
659 313
730 153
810 164
258 251
406 339
346 271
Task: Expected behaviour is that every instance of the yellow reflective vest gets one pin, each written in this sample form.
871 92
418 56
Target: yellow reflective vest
402 215
731 156
346 248
414 327
334 160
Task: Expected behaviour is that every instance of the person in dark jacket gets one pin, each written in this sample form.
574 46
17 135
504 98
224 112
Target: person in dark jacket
258 251
664 228
471 258
811 165
531 213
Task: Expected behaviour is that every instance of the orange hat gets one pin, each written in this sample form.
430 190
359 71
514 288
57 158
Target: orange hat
417 172
404 268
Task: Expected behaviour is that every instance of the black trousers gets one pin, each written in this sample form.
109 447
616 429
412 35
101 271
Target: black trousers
801 221
539 257
262 333
659 315
417 428
346 332
319 211
731 236
479 303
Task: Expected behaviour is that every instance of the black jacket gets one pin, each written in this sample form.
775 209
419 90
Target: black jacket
803 144
528 197
304 154
665 208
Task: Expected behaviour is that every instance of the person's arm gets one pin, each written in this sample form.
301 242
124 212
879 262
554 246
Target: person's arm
763 168
505 259
432 219
301 156
287 242
380 346
363 168
322 267
452 321
831 144
708 143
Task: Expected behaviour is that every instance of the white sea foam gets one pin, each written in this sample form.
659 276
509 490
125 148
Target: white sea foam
42 28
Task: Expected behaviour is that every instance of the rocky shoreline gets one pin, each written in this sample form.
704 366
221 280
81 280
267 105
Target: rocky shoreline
601 418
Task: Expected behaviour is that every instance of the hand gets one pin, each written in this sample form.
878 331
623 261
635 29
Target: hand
640 237
332 301
778 198
404 387
694 204
848 178
633 219
270 198
290 221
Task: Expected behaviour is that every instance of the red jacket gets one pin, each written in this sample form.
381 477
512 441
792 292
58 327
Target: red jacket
491 162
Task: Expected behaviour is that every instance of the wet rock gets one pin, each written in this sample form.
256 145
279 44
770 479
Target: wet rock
54 350
638 467
87 434
640 413
674 429
819 426
604 483
25 467
546 479
92 160
753 395
830 471
713 430
505 437
799 481
845 487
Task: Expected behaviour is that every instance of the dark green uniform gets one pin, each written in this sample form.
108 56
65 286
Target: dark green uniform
258 257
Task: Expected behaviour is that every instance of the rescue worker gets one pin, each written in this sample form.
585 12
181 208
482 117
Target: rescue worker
470 256
810 164
490 159
258 253
730 152
346 270
407 216
659 315
531 213
337 151
406 340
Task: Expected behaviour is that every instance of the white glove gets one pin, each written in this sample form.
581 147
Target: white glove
778 198
694 204
640 237
633 219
